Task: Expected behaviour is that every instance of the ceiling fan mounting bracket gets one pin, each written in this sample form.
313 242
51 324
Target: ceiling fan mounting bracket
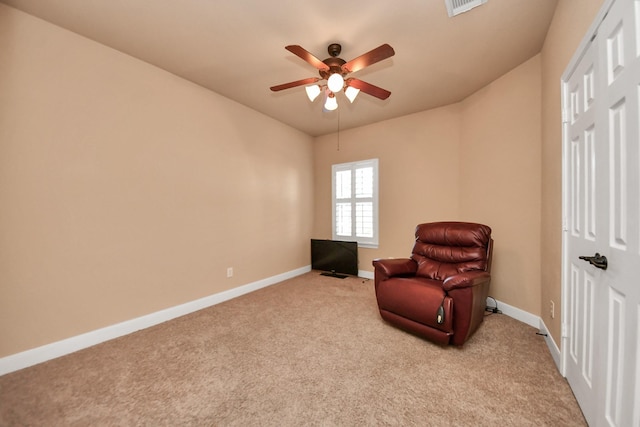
334 49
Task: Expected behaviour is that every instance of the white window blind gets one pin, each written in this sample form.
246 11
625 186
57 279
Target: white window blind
355 202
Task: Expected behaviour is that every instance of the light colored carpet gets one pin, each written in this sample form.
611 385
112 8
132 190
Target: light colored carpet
310 351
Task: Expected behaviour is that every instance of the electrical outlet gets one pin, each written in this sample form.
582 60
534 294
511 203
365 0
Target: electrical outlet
230 272
552 309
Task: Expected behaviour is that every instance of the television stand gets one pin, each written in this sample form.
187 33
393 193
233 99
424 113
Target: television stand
334 274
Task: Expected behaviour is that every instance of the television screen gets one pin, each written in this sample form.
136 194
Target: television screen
334 257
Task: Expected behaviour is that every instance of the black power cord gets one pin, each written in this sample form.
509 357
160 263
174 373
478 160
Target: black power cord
493 310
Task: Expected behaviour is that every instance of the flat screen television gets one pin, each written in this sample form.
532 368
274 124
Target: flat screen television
334 257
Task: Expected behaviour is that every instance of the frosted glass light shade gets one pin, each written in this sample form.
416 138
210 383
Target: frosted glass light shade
351 93
331 103
335 82
312 92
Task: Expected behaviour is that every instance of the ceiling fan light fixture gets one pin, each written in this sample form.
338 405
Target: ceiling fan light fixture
334 70
312 92
331 103
335 82
351 93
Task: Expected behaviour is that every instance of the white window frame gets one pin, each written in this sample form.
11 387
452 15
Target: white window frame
363 241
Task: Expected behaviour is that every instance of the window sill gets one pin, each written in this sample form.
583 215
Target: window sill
368 245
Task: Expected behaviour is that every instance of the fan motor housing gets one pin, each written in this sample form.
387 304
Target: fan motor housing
334 63
335 66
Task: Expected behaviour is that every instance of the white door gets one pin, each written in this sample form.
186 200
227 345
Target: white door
601 315
579 350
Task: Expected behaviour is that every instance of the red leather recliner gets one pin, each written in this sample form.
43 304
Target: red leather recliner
439 293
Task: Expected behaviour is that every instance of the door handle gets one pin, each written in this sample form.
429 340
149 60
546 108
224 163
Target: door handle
599 261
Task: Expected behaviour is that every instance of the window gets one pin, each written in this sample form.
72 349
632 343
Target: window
355 202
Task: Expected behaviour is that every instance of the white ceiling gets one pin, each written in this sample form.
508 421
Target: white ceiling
236 47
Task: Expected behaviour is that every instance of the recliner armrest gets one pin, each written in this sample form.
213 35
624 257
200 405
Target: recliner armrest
466 280
396 266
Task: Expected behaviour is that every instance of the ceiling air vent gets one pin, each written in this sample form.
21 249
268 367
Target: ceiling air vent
456 7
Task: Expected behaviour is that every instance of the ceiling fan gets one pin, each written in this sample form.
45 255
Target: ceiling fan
335 70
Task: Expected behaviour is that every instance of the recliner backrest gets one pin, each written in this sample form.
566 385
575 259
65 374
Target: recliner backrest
443 249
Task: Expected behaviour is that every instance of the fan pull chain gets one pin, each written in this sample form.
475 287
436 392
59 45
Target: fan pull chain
338 131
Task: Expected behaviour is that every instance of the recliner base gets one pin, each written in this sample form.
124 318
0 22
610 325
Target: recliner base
416 328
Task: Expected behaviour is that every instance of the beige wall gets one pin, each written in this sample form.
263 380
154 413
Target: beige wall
419 175
570 23
125 189
500 179
478 160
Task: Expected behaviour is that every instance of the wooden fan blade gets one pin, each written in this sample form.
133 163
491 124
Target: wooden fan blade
376 55
368 88
294 84
305 55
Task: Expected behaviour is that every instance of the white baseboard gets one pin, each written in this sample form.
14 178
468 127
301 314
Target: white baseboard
531 320
553 348
46 352
365 274
60 348
516 313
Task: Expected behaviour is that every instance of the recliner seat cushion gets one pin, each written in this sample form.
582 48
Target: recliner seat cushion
416 298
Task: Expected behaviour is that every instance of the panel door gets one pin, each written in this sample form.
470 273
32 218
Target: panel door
602 207
581 348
